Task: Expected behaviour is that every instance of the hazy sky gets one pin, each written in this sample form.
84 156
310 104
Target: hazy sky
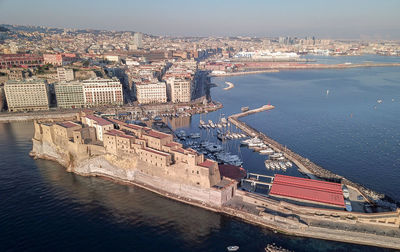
323 18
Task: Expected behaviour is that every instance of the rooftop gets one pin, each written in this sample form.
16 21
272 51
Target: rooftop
231 171
68 124
223 183
307 189
157 152
114 132
100 121
157 134
207 163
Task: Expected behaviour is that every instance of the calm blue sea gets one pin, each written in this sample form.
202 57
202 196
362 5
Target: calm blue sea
44 208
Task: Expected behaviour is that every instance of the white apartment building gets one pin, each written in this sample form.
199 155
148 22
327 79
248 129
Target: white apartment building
181 90
26 95
99 91
151 93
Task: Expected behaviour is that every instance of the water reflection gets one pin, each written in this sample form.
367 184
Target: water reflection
129 205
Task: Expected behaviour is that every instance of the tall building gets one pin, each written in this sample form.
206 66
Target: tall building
69 94
99 91
151 93
181 90
65 74
27 95
137 40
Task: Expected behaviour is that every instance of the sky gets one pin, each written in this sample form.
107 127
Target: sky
346 19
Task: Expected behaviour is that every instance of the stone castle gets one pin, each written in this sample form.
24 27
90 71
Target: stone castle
94 146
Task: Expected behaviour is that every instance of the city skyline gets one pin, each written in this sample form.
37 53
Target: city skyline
345 20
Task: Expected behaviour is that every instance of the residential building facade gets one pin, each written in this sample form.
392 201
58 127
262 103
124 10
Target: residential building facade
69 94
151 93
99 91
181 90
27 95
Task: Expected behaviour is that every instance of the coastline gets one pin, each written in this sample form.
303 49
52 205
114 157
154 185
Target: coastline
274 67
245 73
310 232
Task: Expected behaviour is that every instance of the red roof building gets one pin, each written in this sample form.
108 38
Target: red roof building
315 191
233 172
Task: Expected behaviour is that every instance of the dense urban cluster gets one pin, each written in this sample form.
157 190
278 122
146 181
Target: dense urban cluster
44 67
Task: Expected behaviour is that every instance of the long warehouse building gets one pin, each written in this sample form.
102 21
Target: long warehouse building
308 190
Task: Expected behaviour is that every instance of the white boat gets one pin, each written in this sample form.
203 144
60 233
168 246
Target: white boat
267 151
289 164
275 155
232 248
267 164
194 135
282 165
245 142
346 193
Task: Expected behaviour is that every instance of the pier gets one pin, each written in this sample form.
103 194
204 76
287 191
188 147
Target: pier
305 166
254 179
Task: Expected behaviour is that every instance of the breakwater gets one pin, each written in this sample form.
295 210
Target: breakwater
230 85
305 166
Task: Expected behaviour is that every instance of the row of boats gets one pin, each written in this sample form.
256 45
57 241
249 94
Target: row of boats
215 152
229 135
275 165
276 160
223 123
181 135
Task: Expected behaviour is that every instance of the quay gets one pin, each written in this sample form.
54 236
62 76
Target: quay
305 166
254 179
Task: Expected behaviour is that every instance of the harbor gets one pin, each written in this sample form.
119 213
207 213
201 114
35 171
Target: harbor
305 166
